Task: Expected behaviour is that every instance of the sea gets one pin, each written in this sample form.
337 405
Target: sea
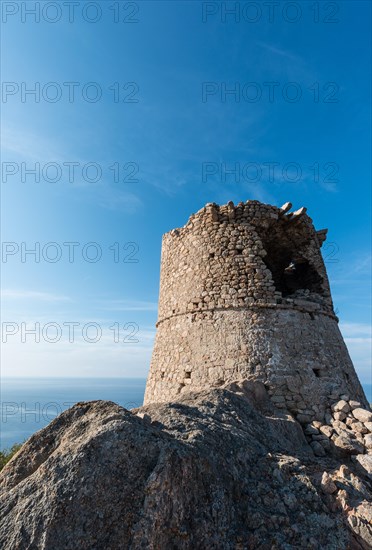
29 404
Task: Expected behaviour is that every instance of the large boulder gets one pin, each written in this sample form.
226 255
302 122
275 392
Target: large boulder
213 470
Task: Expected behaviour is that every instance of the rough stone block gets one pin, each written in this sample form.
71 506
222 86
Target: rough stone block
303 418
341 406
339 415
365 463
362 415
327 484
317 448
311 430
354 404
347 445
326 430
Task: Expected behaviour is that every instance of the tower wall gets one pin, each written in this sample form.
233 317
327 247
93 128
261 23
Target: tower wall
244 294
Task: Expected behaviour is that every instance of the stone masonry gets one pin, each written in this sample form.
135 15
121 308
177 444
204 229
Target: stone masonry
244 295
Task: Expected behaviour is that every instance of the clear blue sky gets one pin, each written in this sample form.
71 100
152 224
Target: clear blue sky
297 128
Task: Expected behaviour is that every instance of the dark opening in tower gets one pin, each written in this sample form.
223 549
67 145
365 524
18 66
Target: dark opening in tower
290 271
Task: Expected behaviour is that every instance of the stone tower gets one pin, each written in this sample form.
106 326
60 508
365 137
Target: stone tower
244 294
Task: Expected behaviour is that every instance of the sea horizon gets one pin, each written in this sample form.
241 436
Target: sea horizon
28 404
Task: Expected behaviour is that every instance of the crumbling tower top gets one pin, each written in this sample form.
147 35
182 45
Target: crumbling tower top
251 254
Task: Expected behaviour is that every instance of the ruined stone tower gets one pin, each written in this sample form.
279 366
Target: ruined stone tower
244 294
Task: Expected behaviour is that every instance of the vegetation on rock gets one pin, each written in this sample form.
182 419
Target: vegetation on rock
7 454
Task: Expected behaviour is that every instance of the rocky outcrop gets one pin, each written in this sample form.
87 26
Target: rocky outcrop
218 469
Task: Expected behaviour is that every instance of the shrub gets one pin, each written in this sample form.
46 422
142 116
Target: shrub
7 454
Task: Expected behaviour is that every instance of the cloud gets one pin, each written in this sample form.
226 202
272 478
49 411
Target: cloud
283 63
358 338
33 295
363 265
352 330
29 146
128 305
109 356
357 265
278 51
122 201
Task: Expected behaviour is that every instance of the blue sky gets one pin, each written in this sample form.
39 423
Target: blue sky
297 128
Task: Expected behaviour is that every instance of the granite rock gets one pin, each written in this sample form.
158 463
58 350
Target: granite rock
216 469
